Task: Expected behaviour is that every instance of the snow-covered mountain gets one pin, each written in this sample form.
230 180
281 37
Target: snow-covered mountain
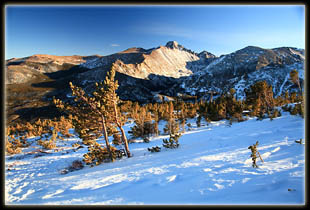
243 68
143 74
171 60
173 70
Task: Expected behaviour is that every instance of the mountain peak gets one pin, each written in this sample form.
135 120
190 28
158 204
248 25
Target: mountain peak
134 50
173 45
205 54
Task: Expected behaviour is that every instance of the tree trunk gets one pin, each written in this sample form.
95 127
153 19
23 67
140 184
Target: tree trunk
298 83
124 138
106 138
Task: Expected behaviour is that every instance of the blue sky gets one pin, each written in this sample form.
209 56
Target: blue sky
103 30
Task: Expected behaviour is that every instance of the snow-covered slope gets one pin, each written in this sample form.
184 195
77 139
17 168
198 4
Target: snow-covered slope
243 68
211 166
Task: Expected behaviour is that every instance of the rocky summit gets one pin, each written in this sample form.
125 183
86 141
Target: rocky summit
148 75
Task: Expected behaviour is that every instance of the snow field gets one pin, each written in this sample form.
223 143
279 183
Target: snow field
211 166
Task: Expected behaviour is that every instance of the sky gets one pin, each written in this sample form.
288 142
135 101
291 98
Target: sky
104 30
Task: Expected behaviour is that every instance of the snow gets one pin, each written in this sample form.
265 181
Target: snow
297 53
215 62
285 80
211 166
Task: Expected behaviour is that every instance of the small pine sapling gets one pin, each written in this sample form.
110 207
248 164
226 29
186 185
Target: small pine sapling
189 126
173 141
51 143
146 140
154 149
254 151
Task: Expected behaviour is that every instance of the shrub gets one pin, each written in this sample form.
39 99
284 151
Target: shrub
51 143
189 126
12 148
286 108
274 114
298 109
98 154
173 141
76 145
76 165
116 139
171 127
14 144
144 129
47 144
146 140
154 149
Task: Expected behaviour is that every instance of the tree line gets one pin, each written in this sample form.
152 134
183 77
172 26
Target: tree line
103 114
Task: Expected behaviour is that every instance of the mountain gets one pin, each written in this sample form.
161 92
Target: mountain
173 70
22 70
171 60
29 80
147 75
143 74
243 68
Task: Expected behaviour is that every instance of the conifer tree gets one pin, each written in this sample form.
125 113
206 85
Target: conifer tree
198 121
156 121
182 116
260 97
172 126
143 123
112 100
254 152
294 78
173 141
88 116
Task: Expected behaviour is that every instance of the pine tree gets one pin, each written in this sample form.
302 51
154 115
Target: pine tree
182 116
156 122
143 123
198 121
172 126
260 98
254 151
111 102
287 97
173 141
294 78
88 116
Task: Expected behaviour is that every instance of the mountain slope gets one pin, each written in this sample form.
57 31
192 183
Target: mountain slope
23 70
243 68
172 60
212 166
143 74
